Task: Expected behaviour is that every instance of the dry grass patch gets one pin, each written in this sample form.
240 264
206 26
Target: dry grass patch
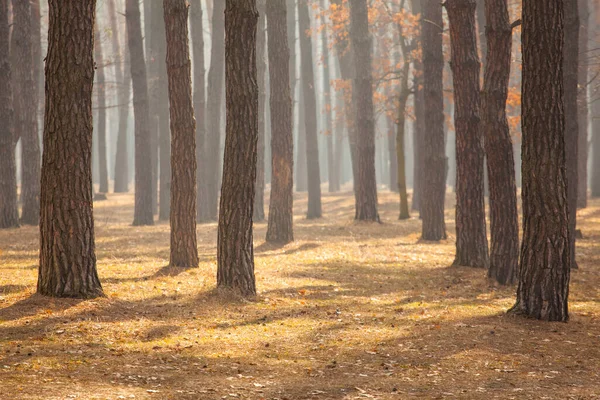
347 311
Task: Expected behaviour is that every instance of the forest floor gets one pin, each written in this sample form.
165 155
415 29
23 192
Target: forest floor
347 311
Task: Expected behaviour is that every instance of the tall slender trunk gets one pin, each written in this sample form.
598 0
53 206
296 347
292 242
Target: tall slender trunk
327 108
280 225
504 223
434 161
235 253
143 212
261 65
596 121
101 103
184 248
124 93
25 108
545 260
582 106
570 76
208 211
471 239
67 266
392 155
419 122
196 23
310 110
152 21
9 213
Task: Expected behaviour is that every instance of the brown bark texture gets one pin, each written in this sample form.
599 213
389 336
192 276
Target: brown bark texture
123 78
67 254
595 109
583 104
25 111
471 238
310 110
143 214
197 30
545 253
235 252
208 211
280 223
419 122
504 223
433 161
365 192
327 108
184 248
101 104
9 212
261 65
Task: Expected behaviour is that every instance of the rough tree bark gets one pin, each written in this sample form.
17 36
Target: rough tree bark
67 255
199 99
582 106
504 223
261 65
434 162
208 211
280 224
596 124
124 92
101 103
143 214
310 109
545 253
570 76
419 122
9 212
365 191
471 239
235 252
184 248
25 111
153 22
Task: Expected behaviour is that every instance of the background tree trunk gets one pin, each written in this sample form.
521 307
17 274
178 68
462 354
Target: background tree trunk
184 248
582 106
235 252
212 149
124 93
570 76
143 214
310 109
25 108
596 121
504 223
434 161
280 225
261 65
153 19
328 102
365 191
101 103
419 123
471 239
199 101
545 252
68 266
392 155
9 212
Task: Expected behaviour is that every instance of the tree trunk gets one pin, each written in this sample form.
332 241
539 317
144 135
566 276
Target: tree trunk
582 107
471 239
261 65
392 155
184 248
235 253
124 92
365 191
504 224
301 173
327 108
25 109
67 255
9 213
143 214
280 225
596 123
340 123
570 76
545 252
419 122
208 211
481 30
199 101
400 152
38 61
153 22
434 161
310 110
101 103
